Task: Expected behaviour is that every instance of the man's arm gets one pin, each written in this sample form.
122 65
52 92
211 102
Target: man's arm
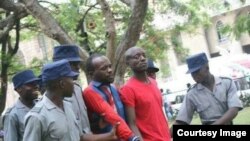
233 102
33 129
111 136
10 128
97 104
130 112
227 117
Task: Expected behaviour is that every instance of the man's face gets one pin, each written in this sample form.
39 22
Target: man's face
67 86
103 71
29 91
151 74
75 66
138 60
200 75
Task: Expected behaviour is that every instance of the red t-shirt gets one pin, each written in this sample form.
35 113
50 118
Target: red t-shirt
95 103
147 101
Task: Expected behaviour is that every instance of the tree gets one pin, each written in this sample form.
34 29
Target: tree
106 26
52 28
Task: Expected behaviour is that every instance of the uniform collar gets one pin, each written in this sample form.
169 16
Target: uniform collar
20 105
217 82
48 103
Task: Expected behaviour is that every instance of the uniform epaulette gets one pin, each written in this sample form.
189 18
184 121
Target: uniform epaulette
8 110
36 109
222 77
194 85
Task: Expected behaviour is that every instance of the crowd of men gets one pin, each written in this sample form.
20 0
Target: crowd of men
101 112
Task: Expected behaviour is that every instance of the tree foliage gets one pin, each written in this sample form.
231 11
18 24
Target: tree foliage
106 26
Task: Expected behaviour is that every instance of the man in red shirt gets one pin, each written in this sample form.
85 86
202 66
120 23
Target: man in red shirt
102 99
143 100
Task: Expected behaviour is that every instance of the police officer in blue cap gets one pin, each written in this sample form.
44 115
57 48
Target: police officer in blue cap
52 118
26 85
71 53
214 98
152 69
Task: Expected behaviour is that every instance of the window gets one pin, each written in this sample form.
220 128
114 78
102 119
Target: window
221 36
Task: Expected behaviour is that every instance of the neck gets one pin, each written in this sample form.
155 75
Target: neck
28 103
142 76
209 82
56 98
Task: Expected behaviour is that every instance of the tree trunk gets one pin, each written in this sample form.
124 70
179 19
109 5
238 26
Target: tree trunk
129 39
110 30
4 76
7 52
50 26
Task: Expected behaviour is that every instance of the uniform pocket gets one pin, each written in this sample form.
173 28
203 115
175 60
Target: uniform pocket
54 137
203 110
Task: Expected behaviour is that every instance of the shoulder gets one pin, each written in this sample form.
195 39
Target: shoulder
10 114
88 89
37 108
226 79
35 112
192 88
77 84
77 87
9 110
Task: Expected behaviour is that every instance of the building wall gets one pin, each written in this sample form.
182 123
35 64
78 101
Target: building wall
195 42
206 40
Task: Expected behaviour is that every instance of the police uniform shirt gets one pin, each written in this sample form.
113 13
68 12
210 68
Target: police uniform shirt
47 122
211 105
79 108
14 122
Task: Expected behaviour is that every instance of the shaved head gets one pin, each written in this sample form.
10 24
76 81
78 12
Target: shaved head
130 51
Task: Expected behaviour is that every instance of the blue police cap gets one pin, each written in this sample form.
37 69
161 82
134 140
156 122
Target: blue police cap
57 70
69 52
24 77
196 61
151 66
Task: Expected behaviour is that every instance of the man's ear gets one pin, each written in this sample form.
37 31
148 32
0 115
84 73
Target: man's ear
61 83
19 90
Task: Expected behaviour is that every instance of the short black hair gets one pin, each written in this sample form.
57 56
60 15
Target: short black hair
89 63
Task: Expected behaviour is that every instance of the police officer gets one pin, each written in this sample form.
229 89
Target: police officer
152 69
71 53
26 85
214 98
52 118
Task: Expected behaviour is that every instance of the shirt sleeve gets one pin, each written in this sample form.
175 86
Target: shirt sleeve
33 129
232 97
186 111
97 104
127 96
10 128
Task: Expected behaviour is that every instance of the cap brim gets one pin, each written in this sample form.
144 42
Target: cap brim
153 69
76 59
73 59
193 70
32 80
73 74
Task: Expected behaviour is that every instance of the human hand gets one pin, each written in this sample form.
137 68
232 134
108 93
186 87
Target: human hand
102 123
113 135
